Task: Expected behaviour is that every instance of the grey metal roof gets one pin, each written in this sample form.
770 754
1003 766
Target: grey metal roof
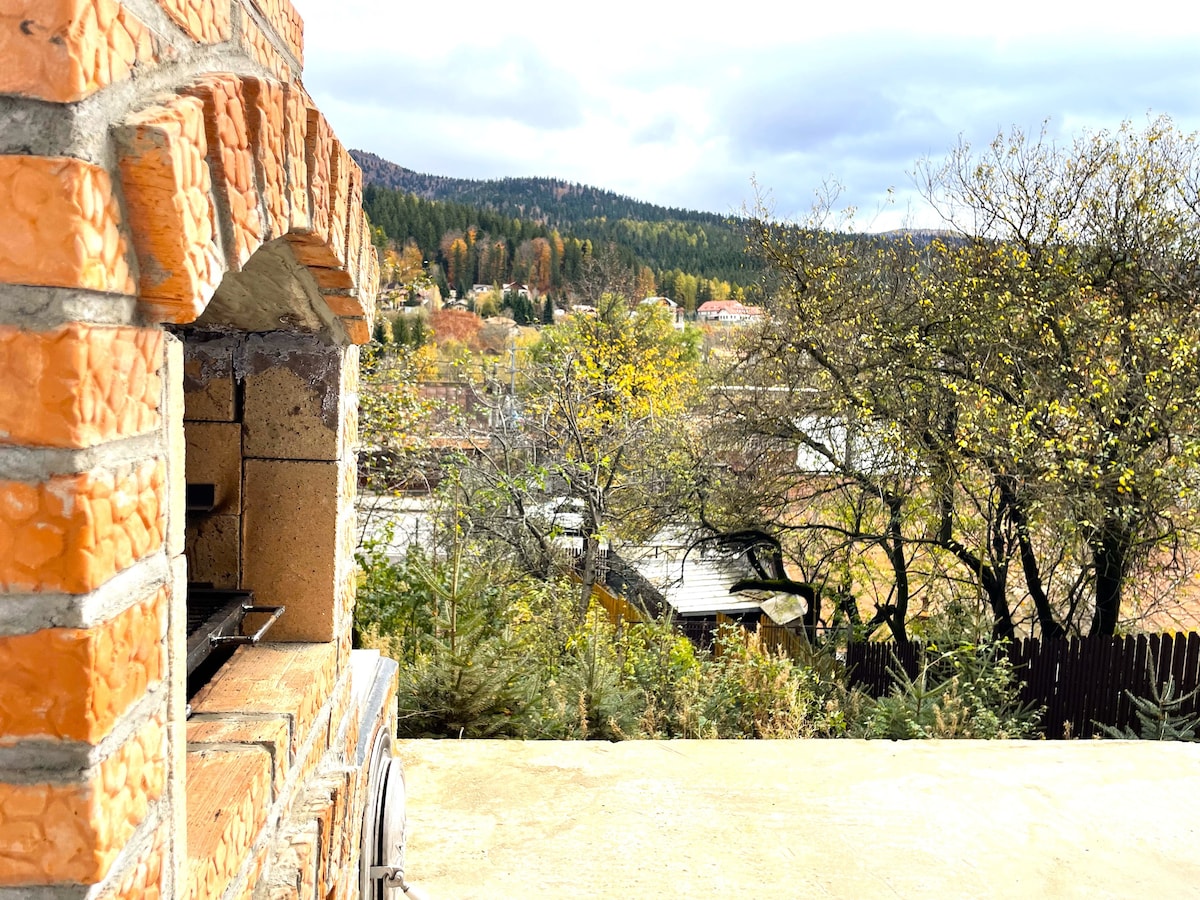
697 585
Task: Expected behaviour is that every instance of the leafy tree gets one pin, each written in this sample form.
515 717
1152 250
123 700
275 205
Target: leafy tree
1089 389
1004 411
836 374
600 396
598 404
392 415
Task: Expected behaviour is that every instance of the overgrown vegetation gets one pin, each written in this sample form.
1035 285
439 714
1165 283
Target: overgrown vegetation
958 437
1004 414
489 651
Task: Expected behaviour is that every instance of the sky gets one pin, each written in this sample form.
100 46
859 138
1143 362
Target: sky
710 106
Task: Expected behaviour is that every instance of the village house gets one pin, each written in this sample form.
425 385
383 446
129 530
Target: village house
727 312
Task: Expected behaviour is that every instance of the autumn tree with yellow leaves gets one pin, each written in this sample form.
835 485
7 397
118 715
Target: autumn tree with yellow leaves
604 396
597 414
1009 405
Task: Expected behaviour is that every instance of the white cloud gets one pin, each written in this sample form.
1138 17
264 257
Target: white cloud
684 107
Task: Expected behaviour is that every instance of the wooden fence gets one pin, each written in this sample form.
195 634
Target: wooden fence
774 638
1080 681
618 608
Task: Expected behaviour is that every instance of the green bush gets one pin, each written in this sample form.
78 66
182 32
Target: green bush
588 698
970 691
1160 716
748 691
486 653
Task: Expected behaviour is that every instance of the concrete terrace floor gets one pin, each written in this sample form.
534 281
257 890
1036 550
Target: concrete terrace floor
794 819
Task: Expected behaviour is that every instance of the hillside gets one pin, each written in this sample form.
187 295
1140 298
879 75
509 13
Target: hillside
547 201
692 256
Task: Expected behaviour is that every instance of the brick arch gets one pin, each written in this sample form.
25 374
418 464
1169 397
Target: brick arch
227 164
209 164
160 159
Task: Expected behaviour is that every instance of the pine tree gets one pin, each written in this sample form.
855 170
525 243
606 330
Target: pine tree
1160 716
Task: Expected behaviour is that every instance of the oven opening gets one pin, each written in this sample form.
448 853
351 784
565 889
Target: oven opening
268 441
219 619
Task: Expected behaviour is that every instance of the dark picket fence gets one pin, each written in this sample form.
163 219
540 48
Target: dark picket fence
1080 681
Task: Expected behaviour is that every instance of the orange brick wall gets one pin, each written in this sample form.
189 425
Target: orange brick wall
72 533
78 385
201 147
54 832
66 50
61 227
75 683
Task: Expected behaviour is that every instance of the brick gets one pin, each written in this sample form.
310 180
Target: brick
369 287
272 733
292 396
74 532
231 162
326 815
228 797
356 808
355 220
286 24
339 202
78 385
307 848
342 706
65 50
209 390
74 833
357 330
62 226
214 456
143 878
232 165
312 246
295 136
174 818
366 270
214 550
75 683
173 412
262 50
343 304
172 214
290 542
292 680
265 119
339 279
253 875
204 21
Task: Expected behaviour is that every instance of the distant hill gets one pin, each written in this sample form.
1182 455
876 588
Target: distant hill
548 201
431 209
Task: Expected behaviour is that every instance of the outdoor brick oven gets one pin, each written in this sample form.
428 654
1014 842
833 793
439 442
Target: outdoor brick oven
185 277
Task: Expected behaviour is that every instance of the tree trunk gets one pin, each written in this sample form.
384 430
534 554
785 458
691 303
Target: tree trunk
811 617
1033 582
995 589
1029 564
895 551
591 547
1110 556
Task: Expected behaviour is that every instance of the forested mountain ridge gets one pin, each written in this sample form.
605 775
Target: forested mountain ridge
549 201
494 231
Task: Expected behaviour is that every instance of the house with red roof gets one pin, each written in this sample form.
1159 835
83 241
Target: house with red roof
727 312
